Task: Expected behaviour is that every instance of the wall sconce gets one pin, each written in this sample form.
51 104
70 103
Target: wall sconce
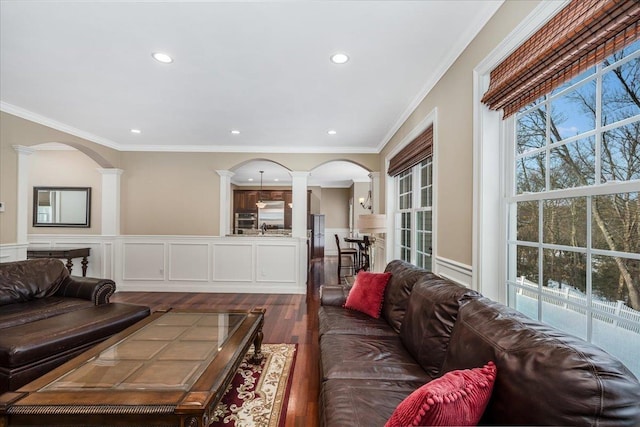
290 205
366 204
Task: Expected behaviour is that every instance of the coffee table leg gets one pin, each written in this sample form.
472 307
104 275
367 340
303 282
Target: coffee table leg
257 342
257 348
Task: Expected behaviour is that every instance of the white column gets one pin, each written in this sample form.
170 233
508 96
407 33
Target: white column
22 209
110 201
225 201
299 200
375 191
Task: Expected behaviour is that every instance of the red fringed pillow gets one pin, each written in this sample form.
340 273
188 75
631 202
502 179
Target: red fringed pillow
458 398
367 293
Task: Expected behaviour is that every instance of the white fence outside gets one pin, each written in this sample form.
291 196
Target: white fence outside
615 327
616 313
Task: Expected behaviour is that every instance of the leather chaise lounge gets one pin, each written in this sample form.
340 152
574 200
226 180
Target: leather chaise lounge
430 326
47 317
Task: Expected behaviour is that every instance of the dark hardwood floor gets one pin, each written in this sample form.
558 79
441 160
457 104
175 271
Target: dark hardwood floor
288 319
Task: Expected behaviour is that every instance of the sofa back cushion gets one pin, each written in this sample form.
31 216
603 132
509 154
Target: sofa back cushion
545 376
428 323
396 296
27 280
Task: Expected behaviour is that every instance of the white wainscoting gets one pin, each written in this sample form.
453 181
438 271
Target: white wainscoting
144 261
189 261
193 263
13 252
454 270
100 260
213 264
234 261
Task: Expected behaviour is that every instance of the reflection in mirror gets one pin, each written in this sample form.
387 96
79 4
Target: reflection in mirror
62 207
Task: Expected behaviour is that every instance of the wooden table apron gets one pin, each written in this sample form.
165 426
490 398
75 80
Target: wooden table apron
62 253
191 408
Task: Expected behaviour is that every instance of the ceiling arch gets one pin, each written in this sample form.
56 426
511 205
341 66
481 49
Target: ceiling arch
92 154
333 173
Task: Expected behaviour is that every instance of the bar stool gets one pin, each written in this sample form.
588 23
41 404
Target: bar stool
348 252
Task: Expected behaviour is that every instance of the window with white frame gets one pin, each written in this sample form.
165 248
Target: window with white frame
573 240
414 214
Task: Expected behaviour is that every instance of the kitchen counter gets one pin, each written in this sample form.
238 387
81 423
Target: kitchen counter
260 235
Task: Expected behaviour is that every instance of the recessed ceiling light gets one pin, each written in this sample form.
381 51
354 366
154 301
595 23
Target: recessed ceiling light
250 179
332 132
235 132
136 131
162 57
339 58
276 179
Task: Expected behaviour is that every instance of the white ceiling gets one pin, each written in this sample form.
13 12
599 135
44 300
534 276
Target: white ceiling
261 67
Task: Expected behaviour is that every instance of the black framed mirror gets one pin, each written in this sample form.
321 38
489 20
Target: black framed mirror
62 207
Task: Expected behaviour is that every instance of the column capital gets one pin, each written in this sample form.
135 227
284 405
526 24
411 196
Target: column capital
299 174
374 175
226 173
110 171
23 149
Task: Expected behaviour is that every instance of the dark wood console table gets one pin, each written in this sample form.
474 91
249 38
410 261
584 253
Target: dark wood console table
62 253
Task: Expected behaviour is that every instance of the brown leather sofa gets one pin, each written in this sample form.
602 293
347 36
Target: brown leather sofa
47 317
430 326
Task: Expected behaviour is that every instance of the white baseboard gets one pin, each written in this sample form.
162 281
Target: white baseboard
207 287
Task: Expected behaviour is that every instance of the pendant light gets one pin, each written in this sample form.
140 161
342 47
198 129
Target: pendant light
261 204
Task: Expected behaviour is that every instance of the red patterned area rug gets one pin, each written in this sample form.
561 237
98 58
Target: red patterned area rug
258 394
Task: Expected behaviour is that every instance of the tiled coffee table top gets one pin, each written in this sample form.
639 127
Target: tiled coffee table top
169 353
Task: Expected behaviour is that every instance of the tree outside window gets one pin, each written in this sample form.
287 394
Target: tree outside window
574 243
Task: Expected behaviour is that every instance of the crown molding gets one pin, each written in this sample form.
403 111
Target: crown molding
249 149
54 124
37 118
456 50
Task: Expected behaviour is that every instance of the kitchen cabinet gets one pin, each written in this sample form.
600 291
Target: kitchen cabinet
244 202
276 195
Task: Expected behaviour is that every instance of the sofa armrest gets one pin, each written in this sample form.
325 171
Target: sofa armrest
333 295
97 290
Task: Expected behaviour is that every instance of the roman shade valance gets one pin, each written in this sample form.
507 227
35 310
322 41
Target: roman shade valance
415 152
581 35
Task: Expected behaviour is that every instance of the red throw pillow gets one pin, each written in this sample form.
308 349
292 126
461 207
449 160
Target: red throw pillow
367 293
458 398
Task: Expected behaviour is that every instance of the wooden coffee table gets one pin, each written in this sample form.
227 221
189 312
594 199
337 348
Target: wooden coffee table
171 368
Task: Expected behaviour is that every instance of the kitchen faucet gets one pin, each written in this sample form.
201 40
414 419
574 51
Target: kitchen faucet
263 227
